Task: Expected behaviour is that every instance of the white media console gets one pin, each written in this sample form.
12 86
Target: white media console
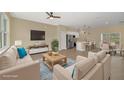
38 49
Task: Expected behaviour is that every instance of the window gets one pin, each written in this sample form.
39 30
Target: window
113 37
105 37
3 30
0 40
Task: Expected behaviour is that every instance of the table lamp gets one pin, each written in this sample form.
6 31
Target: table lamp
18 43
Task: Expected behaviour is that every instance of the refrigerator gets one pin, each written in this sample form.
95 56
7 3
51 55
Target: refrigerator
70 43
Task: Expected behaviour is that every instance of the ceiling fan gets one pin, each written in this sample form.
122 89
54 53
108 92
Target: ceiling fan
51 16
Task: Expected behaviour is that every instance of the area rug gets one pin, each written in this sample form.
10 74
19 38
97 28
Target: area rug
46 73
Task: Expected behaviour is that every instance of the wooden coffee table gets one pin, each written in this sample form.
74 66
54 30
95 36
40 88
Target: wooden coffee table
50 61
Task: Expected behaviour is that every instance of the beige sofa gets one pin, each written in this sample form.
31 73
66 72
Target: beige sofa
14 68
95 67
105 60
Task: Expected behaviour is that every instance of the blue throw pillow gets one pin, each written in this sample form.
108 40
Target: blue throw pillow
22 53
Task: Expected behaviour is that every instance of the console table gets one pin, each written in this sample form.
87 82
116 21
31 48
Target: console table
38 49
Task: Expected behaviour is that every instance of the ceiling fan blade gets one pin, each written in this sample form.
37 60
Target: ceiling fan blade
48 18
51 13
48 13
56 17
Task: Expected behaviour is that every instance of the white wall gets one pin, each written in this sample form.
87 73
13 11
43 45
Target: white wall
62 40
73 33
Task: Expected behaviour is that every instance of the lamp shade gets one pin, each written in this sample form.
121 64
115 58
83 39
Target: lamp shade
18 43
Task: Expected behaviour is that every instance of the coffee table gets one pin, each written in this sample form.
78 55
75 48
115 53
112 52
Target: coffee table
50 61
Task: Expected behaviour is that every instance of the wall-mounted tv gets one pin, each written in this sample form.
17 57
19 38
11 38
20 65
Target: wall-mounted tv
37 35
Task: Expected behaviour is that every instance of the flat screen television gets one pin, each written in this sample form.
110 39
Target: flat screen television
37 35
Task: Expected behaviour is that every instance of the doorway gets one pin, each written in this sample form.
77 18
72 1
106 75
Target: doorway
70 41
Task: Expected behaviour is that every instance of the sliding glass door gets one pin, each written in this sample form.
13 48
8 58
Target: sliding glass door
105 38
111 38
115 37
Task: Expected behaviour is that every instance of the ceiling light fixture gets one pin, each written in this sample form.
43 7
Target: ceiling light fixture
50 17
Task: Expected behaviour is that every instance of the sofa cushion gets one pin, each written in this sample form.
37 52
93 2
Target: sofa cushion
71 70
24 60
83 67
80 58
15 50
101 55
93 55
60 73
11 51
7 59
22 52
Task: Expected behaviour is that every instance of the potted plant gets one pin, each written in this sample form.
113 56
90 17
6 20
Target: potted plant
55 46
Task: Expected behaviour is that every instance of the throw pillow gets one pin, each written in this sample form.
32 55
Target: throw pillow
71 69
7 60
22 52
93 55
73 73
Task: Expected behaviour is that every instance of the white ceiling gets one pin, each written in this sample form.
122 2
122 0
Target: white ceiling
75 19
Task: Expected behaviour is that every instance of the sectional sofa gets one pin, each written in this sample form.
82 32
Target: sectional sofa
14 68
96 67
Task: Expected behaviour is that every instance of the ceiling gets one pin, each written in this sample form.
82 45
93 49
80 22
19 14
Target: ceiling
75 19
